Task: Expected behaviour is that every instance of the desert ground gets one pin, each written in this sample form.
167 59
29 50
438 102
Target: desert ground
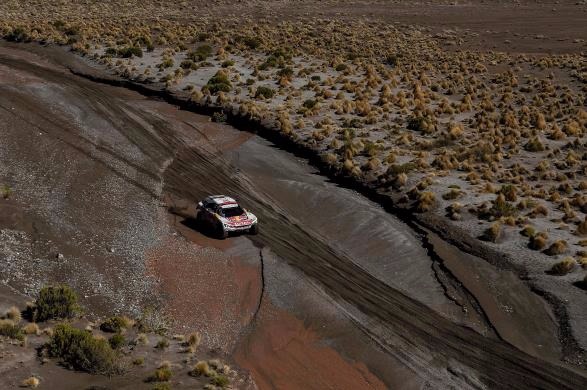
419 170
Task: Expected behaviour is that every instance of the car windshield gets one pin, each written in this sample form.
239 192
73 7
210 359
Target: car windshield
231 211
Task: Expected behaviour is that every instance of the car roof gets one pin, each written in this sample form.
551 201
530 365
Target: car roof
223 200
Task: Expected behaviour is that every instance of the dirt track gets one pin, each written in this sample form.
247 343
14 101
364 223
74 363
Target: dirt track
440 352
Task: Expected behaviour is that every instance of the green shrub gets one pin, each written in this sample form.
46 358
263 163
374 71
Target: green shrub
219 82
264 92
341 67
227 63
55 302
82 351
219 117
10 329
130 51
502 208
166 63
220 380
117 341
201 53
5 191
114 324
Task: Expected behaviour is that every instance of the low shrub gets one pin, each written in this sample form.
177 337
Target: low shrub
492 233
558 247
162 374
264 92
563 267
82 351
537 242
162 344
55 302
201 368
502 208
220 380
528 231
219 82
201 53
115 324
426 201
13 314
9 329
129 52
31 382
117 341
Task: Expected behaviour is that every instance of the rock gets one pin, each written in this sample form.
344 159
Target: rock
59 256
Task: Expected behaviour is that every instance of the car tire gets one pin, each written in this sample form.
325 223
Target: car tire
254 229
222 234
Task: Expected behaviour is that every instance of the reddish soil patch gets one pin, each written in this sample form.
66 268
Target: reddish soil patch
282 353
205 290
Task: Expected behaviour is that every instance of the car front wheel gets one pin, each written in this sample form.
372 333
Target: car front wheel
221 232
254 229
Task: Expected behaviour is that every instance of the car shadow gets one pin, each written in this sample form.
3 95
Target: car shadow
192 223
203 229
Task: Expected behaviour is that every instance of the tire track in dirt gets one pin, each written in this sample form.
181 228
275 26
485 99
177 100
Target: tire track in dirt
431 345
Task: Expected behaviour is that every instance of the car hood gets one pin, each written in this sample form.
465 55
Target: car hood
244 219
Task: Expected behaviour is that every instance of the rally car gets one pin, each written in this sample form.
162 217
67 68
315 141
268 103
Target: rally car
223 215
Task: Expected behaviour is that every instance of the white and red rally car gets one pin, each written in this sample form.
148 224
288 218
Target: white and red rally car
224 215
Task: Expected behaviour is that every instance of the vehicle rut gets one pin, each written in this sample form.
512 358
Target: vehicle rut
427 342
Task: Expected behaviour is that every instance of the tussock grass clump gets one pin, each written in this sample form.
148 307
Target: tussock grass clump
55 302
563 267
139 361
13 314
162 344
162 374
115 324
528 231
193 341
82 351
11 330
502 208
492 233
31 329
31 382
537 242
201 368
426 201
556 248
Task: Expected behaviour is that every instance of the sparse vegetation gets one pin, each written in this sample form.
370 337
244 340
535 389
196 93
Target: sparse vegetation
55 302
563 267
11 330
82 351
115 324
